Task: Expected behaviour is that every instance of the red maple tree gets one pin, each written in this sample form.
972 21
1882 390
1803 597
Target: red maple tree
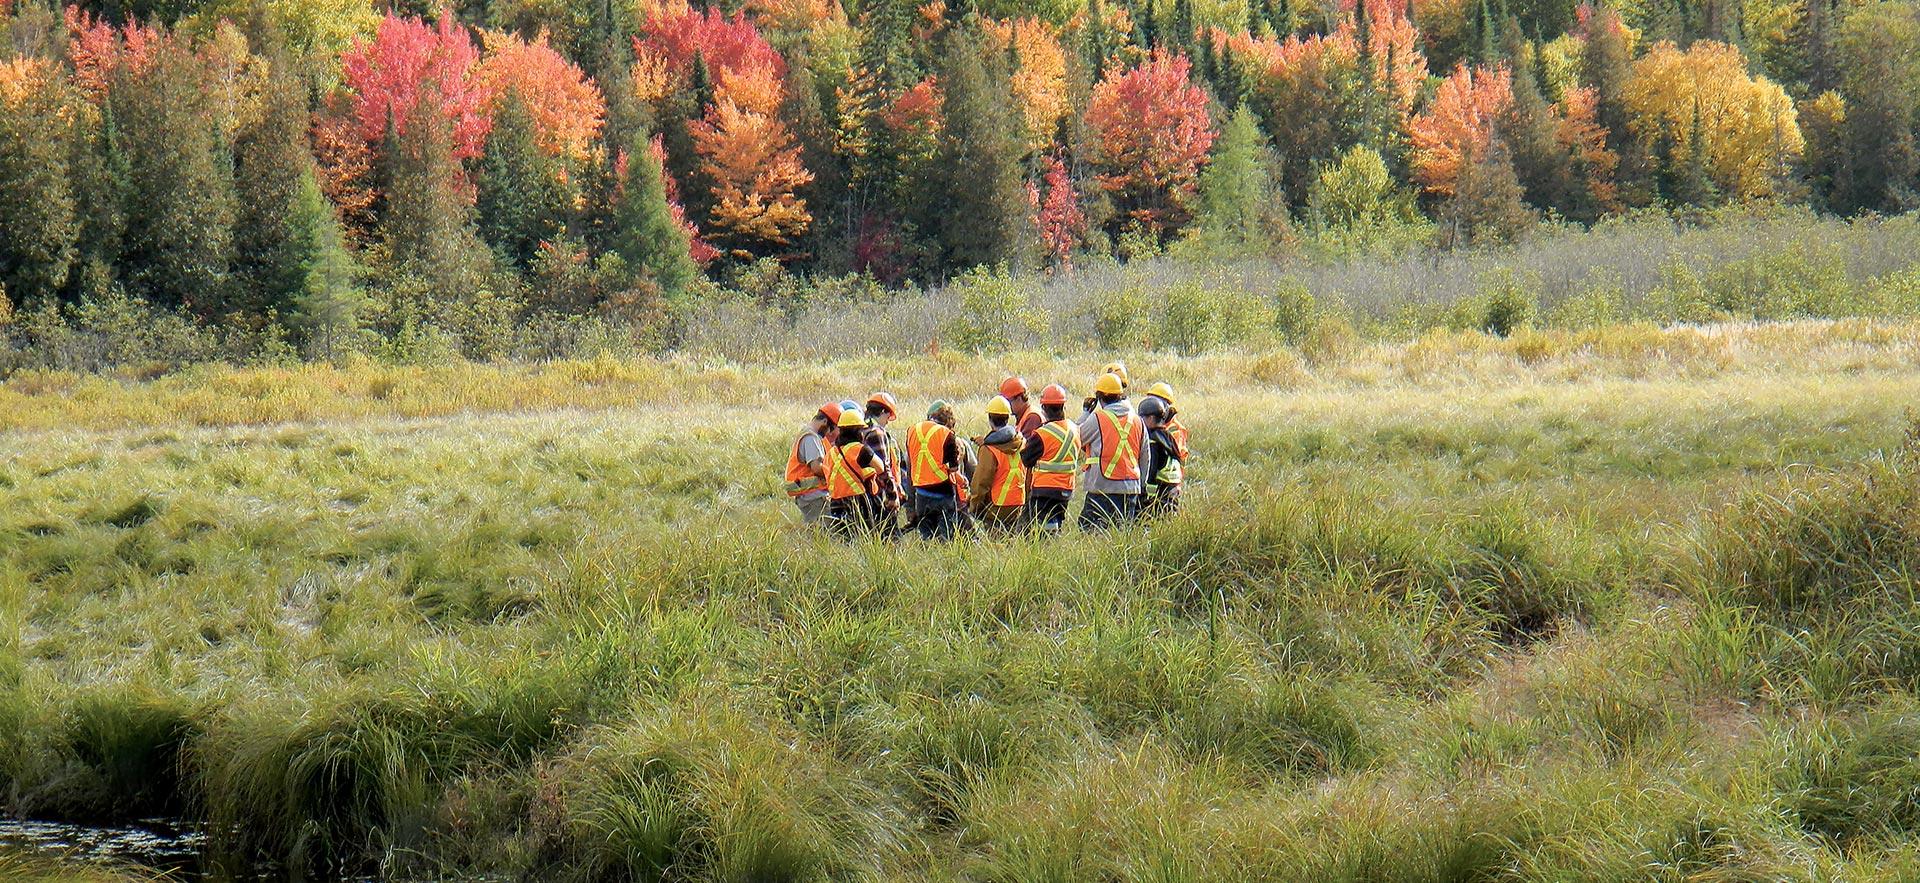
388 74
1153 134
1057 214
1457 128
567 107
96 48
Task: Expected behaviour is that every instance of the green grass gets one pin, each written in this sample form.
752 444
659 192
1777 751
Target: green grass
1615 605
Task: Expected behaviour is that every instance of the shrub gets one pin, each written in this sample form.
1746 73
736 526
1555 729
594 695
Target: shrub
1198 318
1295 312
1505 304
994 312
1120 318
1600 303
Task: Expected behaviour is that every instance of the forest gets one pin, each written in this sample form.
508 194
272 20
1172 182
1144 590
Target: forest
263 180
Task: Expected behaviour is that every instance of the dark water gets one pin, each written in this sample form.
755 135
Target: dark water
160 846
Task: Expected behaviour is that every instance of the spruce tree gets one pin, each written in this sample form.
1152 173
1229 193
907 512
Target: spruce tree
981 207
1235 202
1544 167
326 310
523 198
644 233
101 176
181 205
37 222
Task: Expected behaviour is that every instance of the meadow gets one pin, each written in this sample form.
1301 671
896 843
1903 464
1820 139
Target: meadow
1623 602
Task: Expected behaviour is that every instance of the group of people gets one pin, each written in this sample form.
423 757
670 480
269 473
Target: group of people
849 470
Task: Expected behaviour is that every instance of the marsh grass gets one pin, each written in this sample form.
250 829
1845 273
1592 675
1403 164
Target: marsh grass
1563 605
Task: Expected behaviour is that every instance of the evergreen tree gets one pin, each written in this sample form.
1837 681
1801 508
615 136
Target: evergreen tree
1487 204
101 177
1236 197
272 164
522 195
981 206
644 232
1544 166
181 205
1606 64
37 222
428 224
327 308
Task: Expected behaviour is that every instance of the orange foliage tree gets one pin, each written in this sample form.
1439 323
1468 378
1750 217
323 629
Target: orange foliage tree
568 109
754 165
95 47
1153 134
1457 128
1040 79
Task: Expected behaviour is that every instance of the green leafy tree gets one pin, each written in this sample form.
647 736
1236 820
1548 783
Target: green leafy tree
37 221
523 197
1236 207
1880 81
980 205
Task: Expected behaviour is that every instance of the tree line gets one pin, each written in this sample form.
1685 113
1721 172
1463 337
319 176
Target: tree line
314 176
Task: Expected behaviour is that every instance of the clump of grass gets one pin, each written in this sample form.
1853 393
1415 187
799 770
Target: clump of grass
1858 778
700 791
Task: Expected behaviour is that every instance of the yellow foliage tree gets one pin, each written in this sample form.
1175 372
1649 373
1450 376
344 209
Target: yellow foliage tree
1040 79
755 168
1747 127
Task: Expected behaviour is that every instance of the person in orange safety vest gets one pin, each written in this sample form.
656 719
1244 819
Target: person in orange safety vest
852 467
806 465
1052 456
1000 482
1112 438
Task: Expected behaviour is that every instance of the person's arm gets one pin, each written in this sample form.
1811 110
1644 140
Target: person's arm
1030 455
984 472
950 454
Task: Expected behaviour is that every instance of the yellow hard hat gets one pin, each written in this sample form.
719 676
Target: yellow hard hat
851 417
1110 384
999 407
1119 370
1162 390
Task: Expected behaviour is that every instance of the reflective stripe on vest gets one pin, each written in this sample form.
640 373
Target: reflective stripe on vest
1010 482
845 476
1059 456
926 441
800 478
1120 440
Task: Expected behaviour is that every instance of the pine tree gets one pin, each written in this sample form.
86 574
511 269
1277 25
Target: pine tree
101 177
522 197
1606 64
981 208
272 164
181 206
1544 167
1235 201
37 223
644 232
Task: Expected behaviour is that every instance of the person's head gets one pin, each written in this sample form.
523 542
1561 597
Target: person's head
1053 402
1118 369
999 411
880 409
1153 410
825 418
1109 388
1014 390
942 413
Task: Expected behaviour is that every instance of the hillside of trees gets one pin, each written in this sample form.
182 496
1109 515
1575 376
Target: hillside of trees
314 177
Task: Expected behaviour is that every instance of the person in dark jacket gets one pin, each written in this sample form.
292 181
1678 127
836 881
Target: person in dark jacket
1163 463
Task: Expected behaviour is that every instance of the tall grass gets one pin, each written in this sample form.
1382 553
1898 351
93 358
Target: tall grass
1562 605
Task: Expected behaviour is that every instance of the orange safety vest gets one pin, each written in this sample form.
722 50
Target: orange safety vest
800 478
1010 480
926 441
1179 433
845 476
1121 438
1059 457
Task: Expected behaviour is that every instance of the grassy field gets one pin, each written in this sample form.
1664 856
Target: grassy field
1619 603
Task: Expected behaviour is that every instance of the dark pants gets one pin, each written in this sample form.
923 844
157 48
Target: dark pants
1162 500
1049 513
935 517
853 516
1107 510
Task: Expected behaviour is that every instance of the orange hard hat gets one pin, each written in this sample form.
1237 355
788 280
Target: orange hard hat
884 400
1054 394
832 410
1013 387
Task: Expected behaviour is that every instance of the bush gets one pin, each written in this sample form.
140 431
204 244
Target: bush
1198 318
1120 319
994 313
1505 304
1601 303
1295 312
